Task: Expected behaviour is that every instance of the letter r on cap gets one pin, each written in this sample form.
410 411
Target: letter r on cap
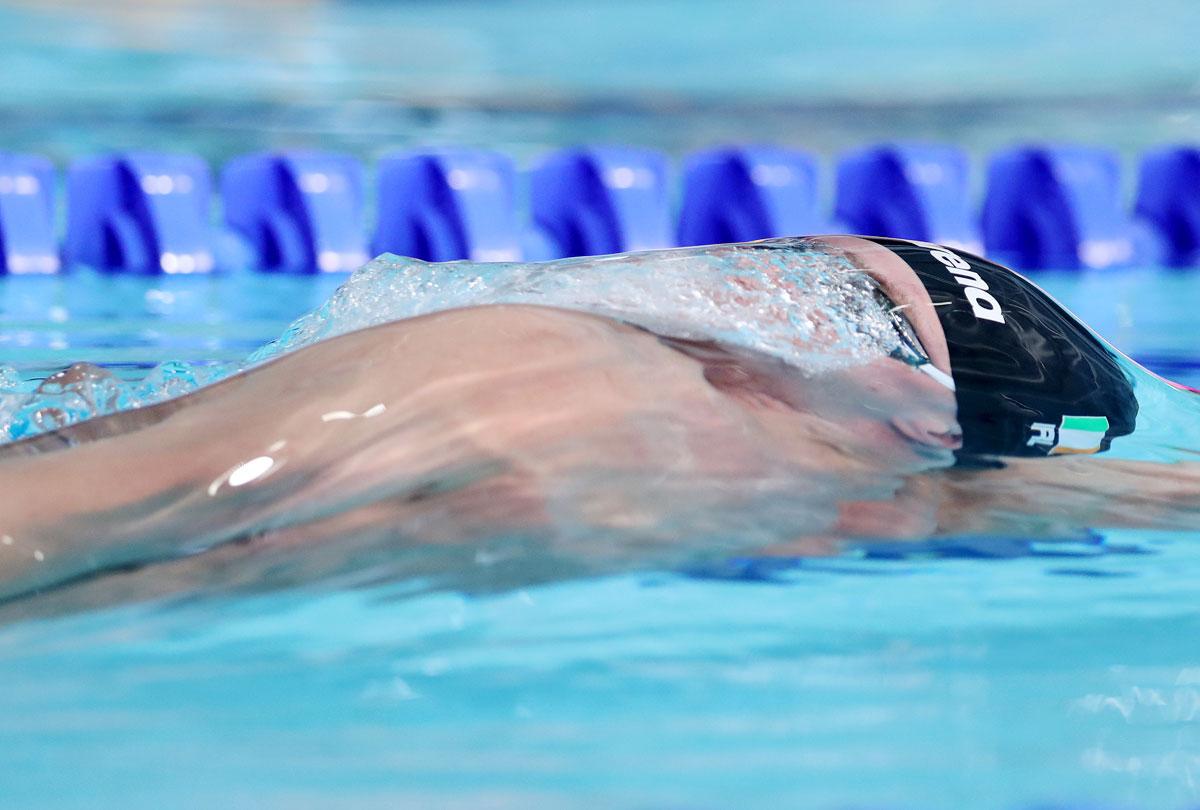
1043 434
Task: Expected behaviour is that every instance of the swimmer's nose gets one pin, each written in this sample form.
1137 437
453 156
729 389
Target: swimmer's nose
929 431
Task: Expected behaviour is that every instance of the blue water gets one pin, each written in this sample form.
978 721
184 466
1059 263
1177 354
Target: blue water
932 684
1055 672
1065 673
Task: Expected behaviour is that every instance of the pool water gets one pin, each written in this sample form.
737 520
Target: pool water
1015 675
956 683
1011 675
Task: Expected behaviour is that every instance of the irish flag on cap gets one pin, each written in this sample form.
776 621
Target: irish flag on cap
1080 434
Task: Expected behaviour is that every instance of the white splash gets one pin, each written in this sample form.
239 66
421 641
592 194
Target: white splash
789 298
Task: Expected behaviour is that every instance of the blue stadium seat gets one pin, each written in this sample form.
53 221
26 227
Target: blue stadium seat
1059 207
740 193
597 200
140 212
27 243
1168 202
908 191
300 212
447 204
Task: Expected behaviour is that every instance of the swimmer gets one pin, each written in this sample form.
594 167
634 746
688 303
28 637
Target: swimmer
931 393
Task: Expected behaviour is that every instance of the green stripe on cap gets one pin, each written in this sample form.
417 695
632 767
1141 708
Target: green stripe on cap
1096 424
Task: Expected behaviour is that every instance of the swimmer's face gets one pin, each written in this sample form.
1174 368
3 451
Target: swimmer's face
884 414
888 399
894 413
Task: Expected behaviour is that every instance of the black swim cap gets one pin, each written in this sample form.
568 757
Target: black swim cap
1030 379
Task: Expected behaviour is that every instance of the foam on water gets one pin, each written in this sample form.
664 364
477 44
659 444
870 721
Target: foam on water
789 298
84 391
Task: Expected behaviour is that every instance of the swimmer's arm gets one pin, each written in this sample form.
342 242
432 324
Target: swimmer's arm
307 433
373 417
123 499
1038 498
1060 495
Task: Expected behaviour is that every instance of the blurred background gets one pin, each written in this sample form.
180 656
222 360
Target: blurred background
220 77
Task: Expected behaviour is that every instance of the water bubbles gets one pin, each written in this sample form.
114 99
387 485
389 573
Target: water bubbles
789 298
168 380
9 378
83 391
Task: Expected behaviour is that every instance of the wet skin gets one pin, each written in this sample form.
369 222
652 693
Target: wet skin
562 440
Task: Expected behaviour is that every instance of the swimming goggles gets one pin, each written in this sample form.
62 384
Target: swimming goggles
908 348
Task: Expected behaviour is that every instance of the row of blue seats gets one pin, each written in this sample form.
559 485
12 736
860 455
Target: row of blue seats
1045 206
